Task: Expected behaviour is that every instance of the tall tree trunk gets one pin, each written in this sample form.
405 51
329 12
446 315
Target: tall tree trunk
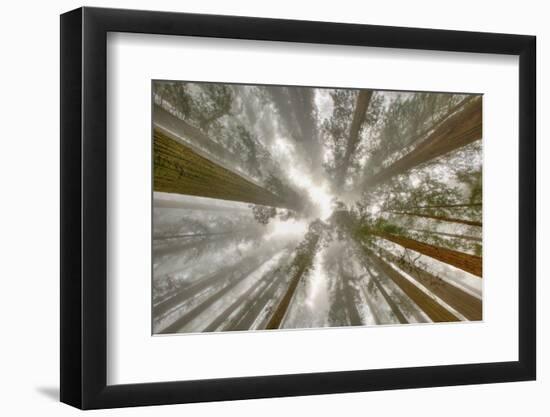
229 281
301 100
281 101
302 263
337 314
295 109
204 205
177 246
370 305
359 116
433 232
258 305
194 235
439 206
442 218
420 135
179 169
349 291
393 306
466 304
464 261
241 303
361 253
189 290
428 305
349 296
164 120
457 131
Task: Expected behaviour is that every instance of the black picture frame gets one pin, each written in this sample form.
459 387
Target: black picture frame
84 207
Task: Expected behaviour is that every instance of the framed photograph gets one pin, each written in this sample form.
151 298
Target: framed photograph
257 208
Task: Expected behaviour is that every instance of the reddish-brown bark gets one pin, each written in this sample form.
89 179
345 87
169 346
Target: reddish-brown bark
302 263
182 170
466 304
441 218
359 116
457 131
428 305
464 261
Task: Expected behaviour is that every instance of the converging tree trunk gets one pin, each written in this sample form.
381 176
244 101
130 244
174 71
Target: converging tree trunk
302 262
295 106
457 131
466 304
258 306
301 100
433 309
189 290
179 169
359 116
229 282
242 303
393 306
194 235
439 206
396 311
464 261
178 246
423 133
441 218
453 235
349 295
165 120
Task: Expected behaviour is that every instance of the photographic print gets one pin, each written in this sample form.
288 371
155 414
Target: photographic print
290 207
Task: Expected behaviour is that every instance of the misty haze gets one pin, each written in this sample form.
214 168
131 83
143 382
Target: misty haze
293 207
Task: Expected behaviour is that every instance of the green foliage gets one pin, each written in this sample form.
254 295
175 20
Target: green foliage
262 214
407 118
474 184
395 122
305 252
336 134
383 225
200 104
449 242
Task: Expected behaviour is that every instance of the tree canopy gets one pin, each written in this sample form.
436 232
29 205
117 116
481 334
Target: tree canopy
292 207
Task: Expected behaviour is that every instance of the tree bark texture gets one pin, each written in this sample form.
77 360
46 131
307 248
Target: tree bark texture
464 261
459 130
179 169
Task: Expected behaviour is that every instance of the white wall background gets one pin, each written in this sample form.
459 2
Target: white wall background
29 164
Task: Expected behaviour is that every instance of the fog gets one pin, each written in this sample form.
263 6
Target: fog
281 207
